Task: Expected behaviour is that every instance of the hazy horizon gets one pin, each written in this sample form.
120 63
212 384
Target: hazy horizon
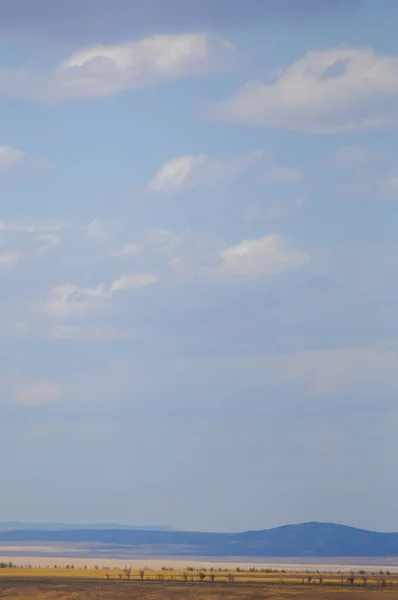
198 242
108 525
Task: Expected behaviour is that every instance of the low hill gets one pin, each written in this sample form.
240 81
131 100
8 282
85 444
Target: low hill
303 540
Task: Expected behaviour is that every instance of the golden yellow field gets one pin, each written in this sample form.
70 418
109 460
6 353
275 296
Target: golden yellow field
233 576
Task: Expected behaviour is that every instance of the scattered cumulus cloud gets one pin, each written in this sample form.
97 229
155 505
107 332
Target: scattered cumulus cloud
176 254
104 70
194 170
269 255
333 90
39 393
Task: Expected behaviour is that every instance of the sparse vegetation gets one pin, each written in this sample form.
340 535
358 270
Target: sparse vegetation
210 576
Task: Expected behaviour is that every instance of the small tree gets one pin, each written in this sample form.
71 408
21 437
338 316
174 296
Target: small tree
202 576
142 573
351 579
108 576
127 571
382 581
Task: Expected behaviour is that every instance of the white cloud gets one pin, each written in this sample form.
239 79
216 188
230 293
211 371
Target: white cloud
38 393
9 259
129 283
347 156
13 158
129 249
193 170
269 255
71 300
97 229
10 158
108 69
283 175
337 89
47 242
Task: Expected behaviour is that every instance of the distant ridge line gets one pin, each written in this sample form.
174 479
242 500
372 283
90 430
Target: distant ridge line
311 539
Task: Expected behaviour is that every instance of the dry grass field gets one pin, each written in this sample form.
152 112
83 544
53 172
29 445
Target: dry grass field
235 576
210 576
75 589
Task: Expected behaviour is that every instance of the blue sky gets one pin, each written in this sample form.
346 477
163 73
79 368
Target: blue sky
198 262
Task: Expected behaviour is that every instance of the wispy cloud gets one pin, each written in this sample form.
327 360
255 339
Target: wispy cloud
194 170
39 393
354 155
72 300
12 159
29 225
9 259
283 175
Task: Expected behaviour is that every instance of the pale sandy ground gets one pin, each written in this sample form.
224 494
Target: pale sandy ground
369 565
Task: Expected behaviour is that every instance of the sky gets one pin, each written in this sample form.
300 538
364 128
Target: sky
199 262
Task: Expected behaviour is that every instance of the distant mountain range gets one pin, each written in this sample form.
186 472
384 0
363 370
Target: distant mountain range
20 525
303 540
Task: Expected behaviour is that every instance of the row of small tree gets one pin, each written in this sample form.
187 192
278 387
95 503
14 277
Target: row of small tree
351 579
211 576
